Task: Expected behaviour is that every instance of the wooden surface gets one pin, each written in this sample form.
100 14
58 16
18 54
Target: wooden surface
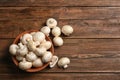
94 47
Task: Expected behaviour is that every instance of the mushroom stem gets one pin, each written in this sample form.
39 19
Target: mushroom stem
24 60
65 66
31 45
53 61
20 45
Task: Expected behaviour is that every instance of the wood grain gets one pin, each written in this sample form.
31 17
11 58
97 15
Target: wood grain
59 3
82 28
87 55
93 48
59 12
41 76
58 76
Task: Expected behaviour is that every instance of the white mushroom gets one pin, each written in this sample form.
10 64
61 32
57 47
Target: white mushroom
56 31
31 45
67 30
46 44
43 41
40 51
53 61
26 37
24 65
13 49
37 63
37 43
22 49
51 22
47 57
32 33
45 30
19 57
31 56
63 62
20 45
38 36
58 41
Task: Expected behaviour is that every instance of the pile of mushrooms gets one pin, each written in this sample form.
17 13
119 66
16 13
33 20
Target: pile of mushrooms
33 49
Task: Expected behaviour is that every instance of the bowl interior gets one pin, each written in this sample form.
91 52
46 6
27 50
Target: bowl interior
33 69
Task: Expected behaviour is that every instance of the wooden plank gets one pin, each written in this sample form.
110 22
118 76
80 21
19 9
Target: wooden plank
82 28
77 65
59 3
87 55
59 76
59 12
40 76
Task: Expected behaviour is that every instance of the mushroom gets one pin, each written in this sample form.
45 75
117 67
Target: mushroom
32 33
53 61
24 65
26 37
43 41
46 45
56 31
67 30
63 62
31 45
58 41
22 50
51 22
31 56
13 49
45 30
40 51
19 57
47 57
37 63
37 43
38 36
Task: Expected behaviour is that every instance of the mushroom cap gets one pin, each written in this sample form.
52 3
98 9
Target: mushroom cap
22 50
20 45
24 65
40 51
47 57
51 22
46 44
63 62
43 41
58 41
56 31
37 63
13 49
45 30
67 30
53 61
31 45
38 36
19 57
26 37
31 56
32 33
37 43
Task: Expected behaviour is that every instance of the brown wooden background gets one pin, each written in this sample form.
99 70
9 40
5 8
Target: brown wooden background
94 47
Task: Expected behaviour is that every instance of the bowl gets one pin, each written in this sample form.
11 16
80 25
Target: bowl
33 69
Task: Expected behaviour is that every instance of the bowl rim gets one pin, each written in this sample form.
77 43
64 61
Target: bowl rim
37 68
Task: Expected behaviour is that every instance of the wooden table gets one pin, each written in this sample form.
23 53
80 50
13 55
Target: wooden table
94 47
